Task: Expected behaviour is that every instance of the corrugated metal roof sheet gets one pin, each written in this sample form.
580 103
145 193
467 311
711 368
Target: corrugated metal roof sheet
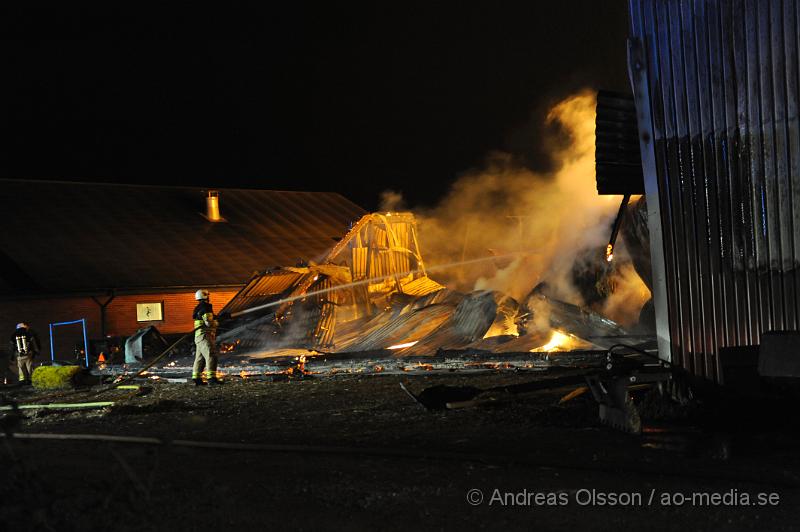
263 289
421 286
78 236
720 81
412 326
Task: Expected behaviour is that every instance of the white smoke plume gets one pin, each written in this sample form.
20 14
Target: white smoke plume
391 200
548 218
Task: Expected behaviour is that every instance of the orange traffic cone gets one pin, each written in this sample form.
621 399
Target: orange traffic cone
101 358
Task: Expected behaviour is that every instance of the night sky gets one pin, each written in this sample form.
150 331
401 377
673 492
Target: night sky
350 99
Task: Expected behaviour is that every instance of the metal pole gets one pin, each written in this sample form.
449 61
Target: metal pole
617 224
85 342
637 64
52 351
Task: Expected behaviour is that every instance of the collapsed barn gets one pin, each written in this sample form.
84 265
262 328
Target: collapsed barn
373 292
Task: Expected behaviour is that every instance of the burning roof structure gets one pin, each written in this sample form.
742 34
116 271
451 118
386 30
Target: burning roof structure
377 263
372 292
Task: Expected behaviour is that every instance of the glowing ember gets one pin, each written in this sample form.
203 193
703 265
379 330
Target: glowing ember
490 365
299 369
609 253
227 348
558 342
401 346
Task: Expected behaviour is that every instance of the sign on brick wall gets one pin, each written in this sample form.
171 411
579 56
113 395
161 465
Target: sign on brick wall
150 311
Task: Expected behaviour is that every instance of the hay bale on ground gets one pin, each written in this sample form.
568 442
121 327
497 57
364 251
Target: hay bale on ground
54 377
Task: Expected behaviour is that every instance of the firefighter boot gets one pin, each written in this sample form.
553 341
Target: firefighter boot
214 380
198 381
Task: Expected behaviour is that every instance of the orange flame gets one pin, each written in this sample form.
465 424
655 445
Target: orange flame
558 342
609 252
401 346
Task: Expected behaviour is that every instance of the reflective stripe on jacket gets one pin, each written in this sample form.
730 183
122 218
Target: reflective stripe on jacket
204 321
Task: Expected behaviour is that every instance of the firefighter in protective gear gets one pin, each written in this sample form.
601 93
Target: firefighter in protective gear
204 340
24 346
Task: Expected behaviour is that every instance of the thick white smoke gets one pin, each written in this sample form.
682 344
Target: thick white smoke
549 218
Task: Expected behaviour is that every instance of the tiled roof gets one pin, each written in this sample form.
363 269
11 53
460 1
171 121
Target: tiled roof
66 237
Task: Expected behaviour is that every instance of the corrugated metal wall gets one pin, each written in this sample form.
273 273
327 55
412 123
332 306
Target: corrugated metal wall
720 79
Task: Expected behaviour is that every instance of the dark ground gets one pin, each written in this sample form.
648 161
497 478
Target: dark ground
532 444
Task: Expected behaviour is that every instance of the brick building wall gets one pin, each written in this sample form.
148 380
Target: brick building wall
121 312
120 316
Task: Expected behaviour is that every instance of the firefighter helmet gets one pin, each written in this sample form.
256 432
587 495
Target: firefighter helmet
22 325
201 294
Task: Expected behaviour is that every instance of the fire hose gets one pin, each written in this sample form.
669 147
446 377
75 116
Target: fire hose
146 366
409 453
129 378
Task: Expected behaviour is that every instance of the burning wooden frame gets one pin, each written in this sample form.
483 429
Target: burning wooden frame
377 263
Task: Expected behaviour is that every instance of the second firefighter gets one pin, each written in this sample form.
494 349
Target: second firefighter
25 347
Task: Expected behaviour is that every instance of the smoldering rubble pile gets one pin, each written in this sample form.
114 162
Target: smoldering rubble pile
372 293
